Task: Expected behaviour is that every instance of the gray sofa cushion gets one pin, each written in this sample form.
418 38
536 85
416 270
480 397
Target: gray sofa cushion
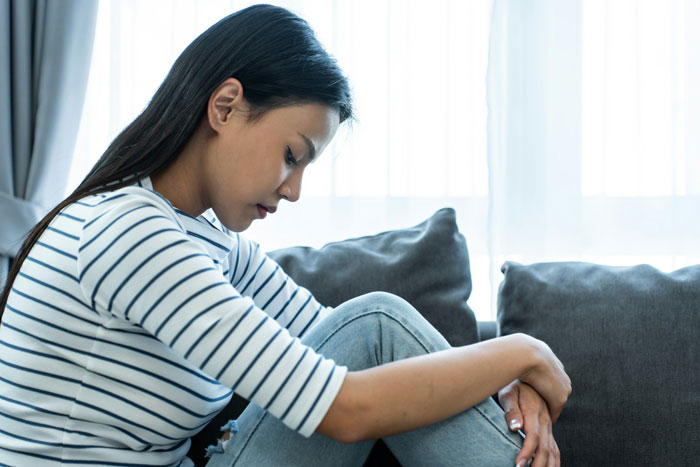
427 265
629 338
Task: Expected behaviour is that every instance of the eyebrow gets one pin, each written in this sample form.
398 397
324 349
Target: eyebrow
312 148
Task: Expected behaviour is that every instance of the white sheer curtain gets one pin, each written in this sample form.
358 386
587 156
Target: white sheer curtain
592 115
418 70
594 144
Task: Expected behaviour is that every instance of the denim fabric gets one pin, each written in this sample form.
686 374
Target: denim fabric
365 332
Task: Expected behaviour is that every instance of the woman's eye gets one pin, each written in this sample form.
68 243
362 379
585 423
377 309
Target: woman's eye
291 160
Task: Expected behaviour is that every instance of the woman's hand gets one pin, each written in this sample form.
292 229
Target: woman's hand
548 378
525 409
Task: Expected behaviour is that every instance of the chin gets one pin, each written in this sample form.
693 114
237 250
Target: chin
232 223
237 226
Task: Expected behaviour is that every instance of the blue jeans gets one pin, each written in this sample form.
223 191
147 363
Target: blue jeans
361 333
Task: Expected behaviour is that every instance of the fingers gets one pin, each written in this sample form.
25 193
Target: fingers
547 452
508 397
532 441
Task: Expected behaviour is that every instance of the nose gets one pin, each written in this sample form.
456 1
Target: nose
291 188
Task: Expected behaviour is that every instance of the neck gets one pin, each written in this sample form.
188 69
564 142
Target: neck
180 182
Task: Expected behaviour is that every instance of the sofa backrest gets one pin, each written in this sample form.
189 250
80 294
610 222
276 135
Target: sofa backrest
629 338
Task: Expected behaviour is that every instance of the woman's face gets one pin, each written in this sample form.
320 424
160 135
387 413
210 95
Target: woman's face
252 166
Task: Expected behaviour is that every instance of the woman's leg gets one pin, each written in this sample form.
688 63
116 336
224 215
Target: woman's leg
365 332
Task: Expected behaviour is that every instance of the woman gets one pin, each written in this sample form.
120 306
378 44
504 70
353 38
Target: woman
135 306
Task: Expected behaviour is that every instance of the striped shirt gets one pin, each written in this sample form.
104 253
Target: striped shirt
131 322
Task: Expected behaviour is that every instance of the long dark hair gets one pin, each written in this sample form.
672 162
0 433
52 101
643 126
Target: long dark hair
271 51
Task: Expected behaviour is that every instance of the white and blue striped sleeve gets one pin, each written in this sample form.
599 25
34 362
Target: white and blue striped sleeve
258 276
136 264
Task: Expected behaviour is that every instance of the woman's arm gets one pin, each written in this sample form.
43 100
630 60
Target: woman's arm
415 392
258 276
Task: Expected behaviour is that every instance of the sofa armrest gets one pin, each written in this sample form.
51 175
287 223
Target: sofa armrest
487 330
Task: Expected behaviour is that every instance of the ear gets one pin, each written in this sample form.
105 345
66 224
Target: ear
224 102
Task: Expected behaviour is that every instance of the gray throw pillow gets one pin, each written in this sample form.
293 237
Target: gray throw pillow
629 338
427 265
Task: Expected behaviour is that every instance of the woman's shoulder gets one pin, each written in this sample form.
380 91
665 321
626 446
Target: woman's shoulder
116 203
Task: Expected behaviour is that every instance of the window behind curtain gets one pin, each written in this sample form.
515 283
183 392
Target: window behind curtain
418 70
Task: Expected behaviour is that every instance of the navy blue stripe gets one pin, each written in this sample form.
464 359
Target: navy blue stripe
115 240
201 337
67 446
257 357
86 405
94 323
208 240
103 391
39 372
103 201
104 229
95 219
44 425
73 218
147 410
189 299
167 292
166 399
137 268
125 255
53 307
111 198
301 389
286 380
313 318
267 303
55 269
212 222
226 337
183 213
49 286
255 274
99 203
241 347
88 205
289 325
238 254
53 248
116 344
39 409
247 264
192 320
65 234
33 407
311 409
266 281
269 371
156 277
126 383
117 362
70 461
279 313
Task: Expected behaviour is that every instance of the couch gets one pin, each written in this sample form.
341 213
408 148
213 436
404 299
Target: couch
629 337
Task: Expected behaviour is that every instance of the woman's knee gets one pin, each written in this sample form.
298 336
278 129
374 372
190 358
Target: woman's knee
378 301
385 324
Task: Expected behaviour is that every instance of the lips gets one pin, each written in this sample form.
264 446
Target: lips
263 210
